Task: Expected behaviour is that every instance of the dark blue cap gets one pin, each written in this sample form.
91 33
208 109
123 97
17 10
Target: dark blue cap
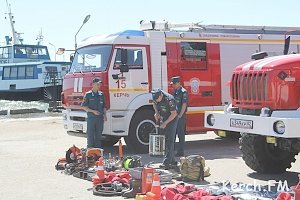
175 79
96 80
156 93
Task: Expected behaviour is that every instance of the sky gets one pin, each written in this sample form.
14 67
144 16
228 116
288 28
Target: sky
59 20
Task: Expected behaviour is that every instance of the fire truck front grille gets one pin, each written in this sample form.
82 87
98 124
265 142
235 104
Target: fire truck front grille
249 87
76 118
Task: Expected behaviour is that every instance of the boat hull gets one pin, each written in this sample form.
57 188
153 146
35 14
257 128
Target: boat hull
50 93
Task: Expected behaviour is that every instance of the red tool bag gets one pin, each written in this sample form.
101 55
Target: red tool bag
189 192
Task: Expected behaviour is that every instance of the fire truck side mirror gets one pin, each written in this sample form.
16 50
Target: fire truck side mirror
286 45
124 56
124 68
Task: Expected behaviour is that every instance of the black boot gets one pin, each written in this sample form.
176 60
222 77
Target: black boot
135 187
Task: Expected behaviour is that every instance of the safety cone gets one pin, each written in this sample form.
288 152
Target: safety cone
155 189
120 150
99 177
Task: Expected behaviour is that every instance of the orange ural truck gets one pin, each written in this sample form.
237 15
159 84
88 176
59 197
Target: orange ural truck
265 109
203 55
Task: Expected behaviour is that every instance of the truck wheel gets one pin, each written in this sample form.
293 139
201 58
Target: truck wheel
263 157
142 124
110 141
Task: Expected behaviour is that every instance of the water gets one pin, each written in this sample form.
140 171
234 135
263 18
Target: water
15 105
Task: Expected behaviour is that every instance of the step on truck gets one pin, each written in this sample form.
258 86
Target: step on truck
265 109
131 63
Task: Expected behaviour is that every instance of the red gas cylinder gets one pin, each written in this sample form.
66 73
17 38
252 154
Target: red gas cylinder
147 177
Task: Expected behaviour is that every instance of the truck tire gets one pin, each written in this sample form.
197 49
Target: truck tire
141 125
263 157
110 141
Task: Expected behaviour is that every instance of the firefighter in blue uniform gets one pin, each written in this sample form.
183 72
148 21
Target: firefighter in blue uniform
94 104
181 98
165 112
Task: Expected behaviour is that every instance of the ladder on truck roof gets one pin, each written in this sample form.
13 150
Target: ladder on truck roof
215 28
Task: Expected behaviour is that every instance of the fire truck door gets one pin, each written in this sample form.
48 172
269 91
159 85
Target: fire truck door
196 71
129 85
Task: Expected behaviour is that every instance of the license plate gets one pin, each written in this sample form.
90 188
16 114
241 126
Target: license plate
241 123
77 126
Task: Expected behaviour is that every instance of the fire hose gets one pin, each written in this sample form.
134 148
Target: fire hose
111 189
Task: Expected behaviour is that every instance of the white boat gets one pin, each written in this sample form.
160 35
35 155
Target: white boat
26 71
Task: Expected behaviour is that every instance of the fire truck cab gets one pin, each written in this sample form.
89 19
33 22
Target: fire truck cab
265 109
133 62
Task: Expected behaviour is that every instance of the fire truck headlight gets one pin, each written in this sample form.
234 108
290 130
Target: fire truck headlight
211 119
279 127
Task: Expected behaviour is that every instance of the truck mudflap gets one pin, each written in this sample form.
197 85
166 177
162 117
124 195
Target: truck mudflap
267 126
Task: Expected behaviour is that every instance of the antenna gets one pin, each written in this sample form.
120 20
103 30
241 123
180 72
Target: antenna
40 38
16 37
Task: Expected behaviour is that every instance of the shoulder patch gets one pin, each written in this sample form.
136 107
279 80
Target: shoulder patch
183 90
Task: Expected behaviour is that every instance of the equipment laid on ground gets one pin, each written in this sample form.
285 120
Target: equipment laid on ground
192 168
111 189
99 177
85 174
132 162
189 191
154 194
96 153
73 154
78 161
157 143
165 176
144 183
135 188
120 150
147 178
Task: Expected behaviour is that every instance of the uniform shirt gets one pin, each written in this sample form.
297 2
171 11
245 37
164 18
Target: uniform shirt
181 97
94 101
165 106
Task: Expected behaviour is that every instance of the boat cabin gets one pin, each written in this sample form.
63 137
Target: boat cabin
23 53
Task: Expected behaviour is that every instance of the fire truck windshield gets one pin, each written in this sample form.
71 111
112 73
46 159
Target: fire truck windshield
90 59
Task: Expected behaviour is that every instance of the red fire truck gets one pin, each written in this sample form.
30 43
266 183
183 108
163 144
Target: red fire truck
131 63
265 96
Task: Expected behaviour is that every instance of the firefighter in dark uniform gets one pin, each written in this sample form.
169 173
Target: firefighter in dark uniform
94 104
181 98
165 112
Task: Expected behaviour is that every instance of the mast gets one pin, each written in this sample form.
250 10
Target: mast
40 38
16 39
